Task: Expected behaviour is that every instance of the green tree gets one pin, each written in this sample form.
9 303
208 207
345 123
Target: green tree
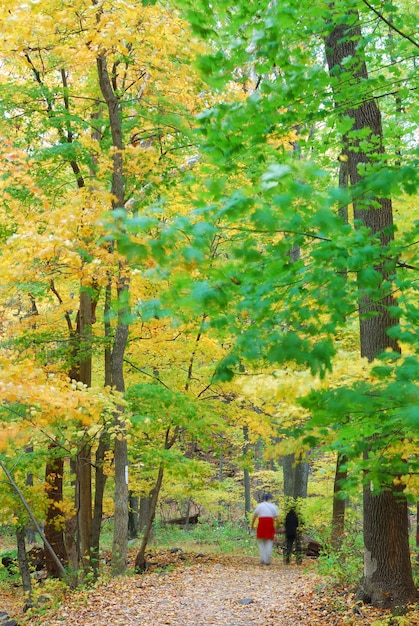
284 311
387 568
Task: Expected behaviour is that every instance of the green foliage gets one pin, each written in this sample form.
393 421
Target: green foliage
156 408
383 410
10 575
213 537
342 566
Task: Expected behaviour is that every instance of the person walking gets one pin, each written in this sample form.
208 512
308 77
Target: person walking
266 515
291 529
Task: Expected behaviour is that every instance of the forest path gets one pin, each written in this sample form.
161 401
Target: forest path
204 590
221 591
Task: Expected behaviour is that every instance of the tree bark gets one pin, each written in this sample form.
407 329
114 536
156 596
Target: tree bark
133 516
30 530
140 563
295 477
387 569
100 482
170 440
339 503
22 559
246 475
53 529
120 539
144 512
83 373
84 513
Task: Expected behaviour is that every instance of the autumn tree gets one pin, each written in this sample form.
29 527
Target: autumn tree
84 139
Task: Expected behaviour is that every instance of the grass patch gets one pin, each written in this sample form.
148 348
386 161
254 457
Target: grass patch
206 537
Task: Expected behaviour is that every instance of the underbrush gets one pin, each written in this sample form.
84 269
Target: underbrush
217 538
343 566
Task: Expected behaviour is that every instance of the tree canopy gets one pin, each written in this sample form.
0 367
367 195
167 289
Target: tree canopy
209 239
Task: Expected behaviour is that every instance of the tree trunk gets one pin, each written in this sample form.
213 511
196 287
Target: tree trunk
295 477
247 497
83 373
100 482
339 503
387 569
104 440
144 514
187 515
30 530
140 563
133 516
72 546
246 475
120 535
120 539
53 529
107 309
84 513
22 559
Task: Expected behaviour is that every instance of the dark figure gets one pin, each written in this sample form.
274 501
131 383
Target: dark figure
291 530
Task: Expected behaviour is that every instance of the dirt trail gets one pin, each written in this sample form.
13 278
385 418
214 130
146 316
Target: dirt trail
205 590
230 592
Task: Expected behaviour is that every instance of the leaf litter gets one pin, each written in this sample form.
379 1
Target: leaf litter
181 589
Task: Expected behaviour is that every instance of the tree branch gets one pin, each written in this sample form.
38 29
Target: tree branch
390 24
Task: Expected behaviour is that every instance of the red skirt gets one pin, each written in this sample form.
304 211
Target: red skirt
266 529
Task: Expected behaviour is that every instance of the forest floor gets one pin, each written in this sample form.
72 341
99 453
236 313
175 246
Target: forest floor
191 589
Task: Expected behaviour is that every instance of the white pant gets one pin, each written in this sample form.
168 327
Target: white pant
265 550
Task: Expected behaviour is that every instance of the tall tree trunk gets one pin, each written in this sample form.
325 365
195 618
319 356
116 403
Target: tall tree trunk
82 372
339 504
246 475
104 441
387 579
295 477
170 440
54 528
120 538
84 484
30 530
144 513
140 563
22 559
78 529
100 482
133 516
387 567
84 461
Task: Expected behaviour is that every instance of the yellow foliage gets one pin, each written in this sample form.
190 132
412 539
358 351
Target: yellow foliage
50 400
8 433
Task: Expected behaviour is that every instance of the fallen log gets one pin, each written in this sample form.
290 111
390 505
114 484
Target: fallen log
36 560
183 521
306 544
